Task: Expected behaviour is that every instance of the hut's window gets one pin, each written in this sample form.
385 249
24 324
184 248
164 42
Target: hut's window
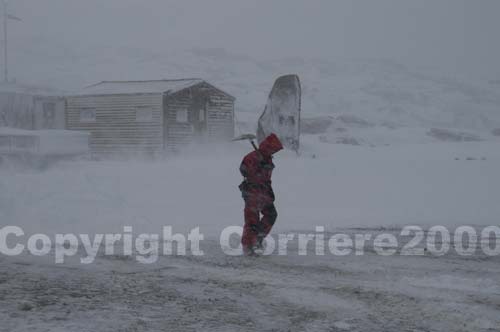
87 115
181 116
144 115
202 115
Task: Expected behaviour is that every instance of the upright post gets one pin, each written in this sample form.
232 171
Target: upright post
5 50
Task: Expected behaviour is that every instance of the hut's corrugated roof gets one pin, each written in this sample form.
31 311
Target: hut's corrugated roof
135 87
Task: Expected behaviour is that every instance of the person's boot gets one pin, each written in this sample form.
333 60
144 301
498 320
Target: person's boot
249 251
259 245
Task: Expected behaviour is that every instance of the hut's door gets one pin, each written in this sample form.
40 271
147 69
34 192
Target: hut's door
198 115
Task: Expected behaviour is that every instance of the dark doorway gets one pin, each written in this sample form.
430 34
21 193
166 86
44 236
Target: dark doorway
198 115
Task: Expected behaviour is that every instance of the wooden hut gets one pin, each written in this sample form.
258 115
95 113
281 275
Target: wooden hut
149 117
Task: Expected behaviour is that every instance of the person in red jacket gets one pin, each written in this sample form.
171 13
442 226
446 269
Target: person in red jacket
256 189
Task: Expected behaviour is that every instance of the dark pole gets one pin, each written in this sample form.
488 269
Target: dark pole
6 63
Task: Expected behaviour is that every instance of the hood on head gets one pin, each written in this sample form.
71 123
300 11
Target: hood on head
270 145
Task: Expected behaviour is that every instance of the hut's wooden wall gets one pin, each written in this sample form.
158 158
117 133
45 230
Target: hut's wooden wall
218 122
116 129
177 134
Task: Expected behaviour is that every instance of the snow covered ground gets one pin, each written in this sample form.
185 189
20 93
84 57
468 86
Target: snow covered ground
350 189
329 184
274 293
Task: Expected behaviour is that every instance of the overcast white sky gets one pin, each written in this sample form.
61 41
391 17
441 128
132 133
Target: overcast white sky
453 35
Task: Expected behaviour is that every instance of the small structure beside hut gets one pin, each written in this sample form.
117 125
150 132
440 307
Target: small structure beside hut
32 123
31 108
150 117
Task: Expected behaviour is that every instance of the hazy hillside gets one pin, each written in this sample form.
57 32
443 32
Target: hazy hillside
380 92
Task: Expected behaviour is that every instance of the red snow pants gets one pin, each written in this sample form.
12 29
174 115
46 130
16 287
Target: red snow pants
258 201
